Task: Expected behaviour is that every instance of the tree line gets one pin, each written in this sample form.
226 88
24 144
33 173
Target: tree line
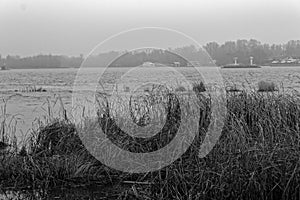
220 53
243 49
41 61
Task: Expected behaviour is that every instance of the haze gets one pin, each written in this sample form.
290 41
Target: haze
69 27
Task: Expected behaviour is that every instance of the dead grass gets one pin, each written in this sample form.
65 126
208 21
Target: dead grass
257 157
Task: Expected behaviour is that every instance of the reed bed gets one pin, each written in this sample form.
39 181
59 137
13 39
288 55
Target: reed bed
256 157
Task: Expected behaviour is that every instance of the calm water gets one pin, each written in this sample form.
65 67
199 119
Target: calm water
25 107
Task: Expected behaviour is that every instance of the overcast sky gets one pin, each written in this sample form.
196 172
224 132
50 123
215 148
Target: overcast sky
71 27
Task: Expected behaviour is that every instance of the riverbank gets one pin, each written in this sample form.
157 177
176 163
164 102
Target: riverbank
257 156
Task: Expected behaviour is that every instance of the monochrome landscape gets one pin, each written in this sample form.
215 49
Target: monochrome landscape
149 108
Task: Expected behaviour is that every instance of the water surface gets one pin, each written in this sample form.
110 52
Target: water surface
26 106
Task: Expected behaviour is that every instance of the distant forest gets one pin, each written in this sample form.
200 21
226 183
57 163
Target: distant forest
243 49
221 54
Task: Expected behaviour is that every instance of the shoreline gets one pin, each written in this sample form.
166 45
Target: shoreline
242 146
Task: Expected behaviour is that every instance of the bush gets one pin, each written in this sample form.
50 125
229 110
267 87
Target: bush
264 86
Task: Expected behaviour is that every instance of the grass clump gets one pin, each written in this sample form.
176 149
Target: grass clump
54 157
199 87
31 88
56 138
264 86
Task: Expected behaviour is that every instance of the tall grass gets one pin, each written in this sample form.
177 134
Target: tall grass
256 157
8 127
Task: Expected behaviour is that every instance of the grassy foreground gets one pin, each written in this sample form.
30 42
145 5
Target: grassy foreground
256 157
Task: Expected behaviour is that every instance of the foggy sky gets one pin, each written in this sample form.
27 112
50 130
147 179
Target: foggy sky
70 27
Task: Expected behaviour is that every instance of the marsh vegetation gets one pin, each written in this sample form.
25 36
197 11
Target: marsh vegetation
256 157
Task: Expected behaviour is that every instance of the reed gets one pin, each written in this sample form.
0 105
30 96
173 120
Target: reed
256 157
